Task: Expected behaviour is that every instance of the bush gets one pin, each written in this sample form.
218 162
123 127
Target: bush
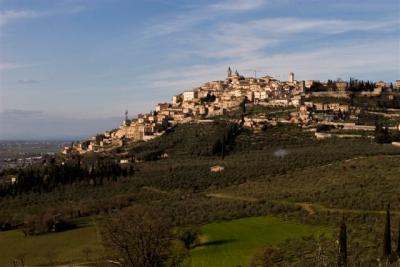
189 236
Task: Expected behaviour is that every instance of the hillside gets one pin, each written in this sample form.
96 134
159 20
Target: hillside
281 171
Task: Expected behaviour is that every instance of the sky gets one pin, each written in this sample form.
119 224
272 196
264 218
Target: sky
70 68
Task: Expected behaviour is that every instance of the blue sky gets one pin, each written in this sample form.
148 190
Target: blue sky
69 68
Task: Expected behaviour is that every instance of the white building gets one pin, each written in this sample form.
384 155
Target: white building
189 95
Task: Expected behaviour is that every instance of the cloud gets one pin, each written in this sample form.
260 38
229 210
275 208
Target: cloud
9 16
29 81
196 15
237 5
193 16
232 42
10 66
14 15
290 25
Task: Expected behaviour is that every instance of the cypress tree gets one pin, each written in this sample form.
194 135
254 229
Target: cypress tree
398 242
342 261
387 241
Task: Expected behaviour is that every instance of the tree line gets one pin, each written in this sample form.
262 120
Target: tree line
45 177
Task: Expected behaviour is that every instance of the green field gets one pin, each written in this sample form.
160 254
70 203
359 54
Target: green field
59 247
228 243
234 242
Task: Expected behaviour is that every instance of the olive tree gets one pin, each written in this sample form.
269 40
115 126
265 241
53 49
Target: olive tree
138 236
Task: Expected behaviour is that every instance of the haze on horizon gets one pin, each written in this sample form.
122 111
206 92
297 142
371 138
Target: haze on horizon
70 68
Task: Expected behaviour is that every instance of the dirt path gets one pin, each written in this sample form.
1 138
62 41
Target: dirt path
310 208
231 197
319 207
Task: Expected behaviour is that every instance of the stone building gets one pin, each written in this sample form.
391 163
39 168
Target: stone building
291 77
189 95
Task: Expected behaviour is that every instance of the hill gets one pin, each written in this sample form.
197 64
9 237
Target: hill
279 171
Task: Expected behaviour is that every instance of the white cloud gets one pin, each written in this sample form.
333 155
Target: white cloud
237 5
228 43
195 15
232 41
9 16
10 66
328 26
14 15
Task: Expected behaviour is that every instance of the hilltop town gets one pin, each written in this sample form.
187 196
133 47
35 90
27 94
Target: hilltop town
346 105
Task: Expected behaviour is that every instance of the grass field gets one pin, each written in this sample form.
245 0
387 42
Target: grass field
57 247
229 243
233 243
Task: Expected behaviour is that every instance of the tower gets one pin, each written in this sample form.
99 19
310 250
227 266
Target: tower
229 72
291 77
126 121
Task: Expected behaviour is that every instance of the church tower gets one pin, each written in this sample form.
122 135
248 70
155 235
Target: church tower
291 77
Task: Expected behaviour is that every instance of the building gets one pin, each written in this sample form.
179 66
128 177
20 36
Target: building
291 77
341 85
161 106
302 86
309 83
189 95
227 95
397 84
217 168
381 84
176 99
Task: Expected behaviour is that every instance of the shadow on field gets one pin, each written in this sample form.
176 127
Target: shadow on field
216 242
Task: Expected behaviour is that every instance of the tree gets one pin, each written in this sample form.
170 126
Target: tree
178 254
268 257
189 236
243 106
398 242
342 262
139 237
387 239
87 251
382 134
317 86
